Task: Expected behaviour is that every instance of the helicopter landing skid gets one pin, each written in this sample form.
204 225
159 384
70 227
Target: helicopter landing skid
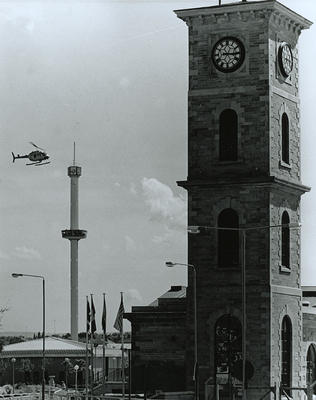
38 163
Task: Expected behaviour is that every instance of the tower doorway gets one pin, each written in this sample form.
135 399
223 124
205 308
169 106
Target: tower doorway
228 351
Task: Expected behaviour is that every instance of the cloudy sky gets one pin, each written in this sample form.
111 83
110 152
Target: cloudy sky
112 76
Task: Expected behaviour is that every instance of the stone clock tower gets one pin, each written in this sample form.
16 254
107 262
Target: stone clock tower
244 172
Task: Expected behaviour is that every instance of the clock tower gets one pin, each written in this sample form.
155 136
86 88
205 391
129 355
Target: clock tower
244 179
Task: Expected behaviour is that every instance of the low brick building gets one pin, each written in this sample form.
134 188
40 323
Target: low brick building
158 343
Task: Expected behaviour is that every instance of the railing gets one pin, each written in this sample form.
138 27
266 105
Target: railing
267 389
309 391
114 375
271 389
20 396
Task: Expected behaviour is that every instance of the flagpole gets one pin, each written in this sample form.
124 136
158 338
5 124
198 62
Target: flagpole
118 324
87 350
104 332
91 364
91 344
122 362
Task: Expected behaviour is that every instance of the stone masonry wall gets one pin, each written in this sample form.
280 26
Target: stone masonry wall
283 305
281 201
219 291
259 95
158 346
211 91
284 98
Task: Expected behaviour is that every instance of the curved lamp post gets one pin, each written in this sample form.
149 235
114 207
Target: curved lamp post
195 369
13 360
16 275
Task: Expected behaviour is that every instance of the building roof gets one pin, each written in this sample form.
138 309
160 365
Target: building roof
309 299
171 304
51 344
175 292
57 347
309 289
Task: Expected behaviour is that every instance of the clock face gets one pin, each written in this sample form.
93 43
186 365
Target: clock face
228 54
285 59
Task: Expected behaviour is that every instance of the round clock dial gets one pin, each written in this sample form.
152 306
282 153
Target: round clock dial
228 54
285 59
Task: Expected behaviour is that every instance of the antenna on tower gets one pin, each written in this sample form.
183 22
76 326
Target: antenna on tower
74 153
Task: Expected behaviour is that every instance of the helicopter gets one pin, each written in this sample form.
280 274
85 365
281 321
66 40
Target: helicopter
36 156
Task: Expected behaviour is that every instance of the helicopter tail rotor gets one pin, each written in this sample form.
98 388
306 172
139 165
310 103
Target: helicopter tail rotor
13 156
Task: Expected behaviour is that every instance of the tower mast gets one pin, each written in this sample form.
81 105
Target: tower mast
74 234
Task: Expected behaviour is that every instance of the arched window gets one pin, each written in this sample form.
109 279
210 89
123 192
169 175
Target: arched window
285 139
285 240
286 352
311 367
228 136
228 344
228 240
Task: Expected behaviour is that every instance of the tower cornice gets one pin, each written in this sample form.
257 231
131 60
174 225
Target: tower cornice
244 11
265 182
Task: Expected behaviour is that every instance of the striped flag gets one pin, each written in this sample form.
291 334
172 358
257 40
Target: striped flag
88 316
93 324
104 316
118 324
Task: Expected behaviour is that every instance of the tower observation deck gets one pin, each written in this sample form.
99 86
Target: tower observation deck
74 234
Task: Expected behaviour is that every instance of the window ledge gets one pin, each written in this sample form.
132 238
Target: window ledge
285 270
224 269
232 162
283 164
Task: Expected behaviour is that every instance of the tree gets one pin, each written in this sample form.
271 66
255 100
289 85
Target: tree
2 311
26 367
66 336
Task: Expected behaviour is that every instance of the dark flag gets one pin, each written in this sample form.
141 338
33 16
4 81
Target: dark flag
118 324
104 316
93 324
88 316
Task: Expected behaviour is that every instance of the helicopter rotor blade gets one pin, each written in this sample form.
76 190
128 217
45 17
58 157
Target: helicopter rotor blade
36 146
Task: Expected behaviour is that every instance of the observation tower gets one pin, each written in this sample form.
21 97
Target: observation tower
74 234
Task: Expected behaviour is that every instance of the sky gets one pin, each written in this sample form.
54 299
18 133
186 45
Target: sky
111 76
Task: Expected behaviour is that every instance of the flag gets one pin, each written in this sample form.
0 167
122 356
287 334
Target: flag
104 316
88 316
118 324
93 324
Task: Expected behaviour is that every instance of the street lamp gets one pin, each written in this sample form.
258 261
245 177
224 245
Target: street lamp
91 377
195 370
16 275
197 230
13 360
67 361
76 367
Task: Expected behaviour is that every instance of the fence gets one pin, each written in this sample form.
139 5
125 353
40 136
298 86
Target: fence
283 391
20 396
267 390
308 390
